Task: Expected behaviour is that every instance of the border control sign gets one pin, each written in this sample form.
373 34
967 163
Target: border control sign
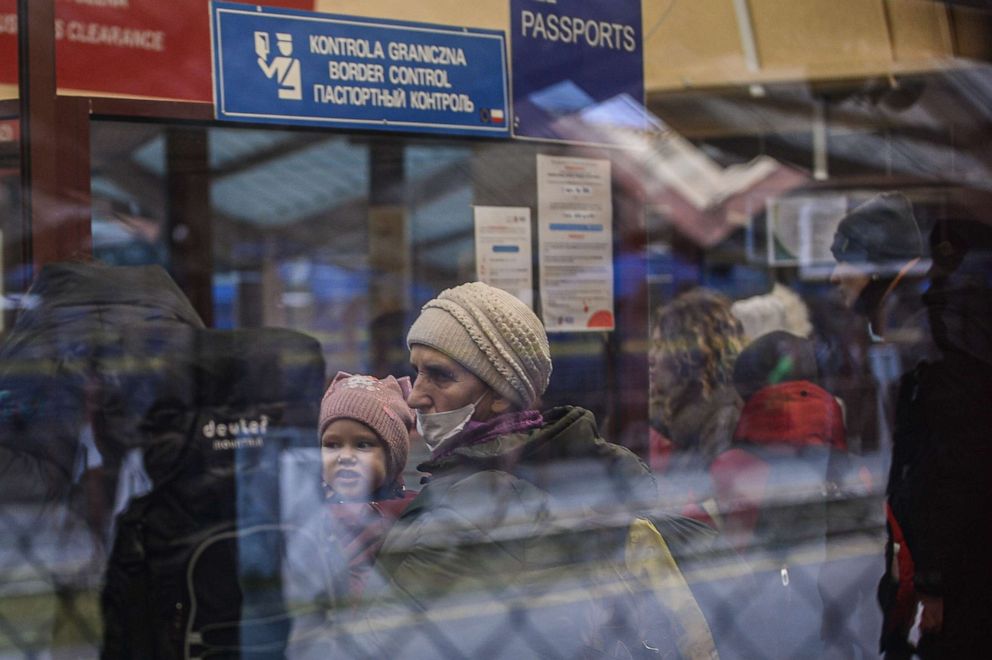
294 67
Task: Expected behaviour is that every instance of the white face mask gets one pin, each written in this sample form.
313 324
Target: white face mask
438 428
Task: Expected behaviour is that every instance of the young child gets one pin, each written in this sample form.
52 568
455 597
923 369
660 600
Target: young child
365 428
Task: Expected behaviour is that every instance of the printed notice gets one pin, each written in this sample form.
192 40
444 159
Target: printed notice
503 249
575 233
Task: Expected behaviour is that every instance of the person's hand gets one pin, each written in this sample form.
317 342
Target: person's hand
932 619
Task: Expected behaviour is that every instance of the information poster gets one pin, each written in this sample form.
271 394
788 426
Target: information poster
575 233
282 66
801 230
503 250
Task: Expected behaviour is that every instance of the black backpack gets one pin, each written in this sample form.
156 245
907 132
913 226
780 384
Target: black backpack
209 563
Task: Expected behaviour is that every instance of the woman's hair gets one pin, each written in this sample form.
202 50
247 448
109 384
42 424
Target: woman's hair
697 339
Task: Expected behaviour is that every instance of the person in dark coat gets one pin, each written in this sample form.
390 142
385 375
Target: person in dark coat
365 426
948 525
90 352
513 545
879 250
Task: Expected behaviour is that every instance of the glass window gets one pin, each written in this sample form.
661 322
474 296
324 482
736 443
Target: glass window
268 410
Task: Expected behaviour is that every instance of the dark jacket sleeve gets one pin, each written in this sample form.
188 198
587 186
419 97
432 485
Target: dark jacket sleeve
952 519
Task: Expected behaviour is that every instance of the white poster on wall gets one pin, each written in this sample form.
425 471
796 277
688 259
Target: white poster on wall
575 233
801 230
503 255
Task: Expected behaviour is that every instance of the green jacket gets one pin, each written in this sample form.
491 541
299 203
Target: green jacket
512 548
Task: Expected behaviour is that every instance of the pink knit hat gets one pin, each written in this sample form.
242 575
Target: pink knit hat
380 405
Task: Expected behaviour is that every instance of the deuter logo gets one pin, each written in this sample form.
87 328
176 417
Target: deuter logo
240 433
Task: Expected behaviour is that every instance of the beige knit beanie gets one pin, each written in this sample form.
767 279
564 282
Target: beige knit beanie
381 405
493 335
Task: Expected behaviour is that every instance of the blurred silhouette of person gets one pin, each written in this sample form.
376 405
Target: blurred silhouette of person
781 444
216 530
878 248
771 484
88 355
939 485
81 365
875 245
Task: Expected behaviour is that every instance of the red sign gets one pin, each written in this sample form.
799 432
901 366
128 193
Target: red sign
8 42
151 48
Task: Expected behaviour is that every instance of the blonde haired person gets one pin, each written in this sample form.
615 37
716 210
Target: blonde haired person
695 343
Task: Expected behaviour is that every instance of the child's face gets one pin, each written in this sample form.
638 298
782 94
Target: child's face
354 460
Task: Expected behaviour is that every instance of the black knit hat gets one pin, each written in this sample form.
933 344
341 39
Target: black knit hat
773 358
881 230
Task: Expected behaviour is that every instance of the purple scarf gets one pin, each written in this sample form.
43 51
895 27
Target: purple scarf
476 433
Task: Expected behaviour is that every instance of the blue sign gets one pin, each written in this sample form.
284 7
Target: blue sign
578 69
293 67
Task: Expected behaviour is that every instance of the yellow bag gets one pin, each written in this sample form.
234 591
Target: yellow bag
649 561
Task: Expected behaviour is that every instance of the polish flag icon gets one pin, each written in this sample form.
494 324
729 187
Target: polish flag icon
496 115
